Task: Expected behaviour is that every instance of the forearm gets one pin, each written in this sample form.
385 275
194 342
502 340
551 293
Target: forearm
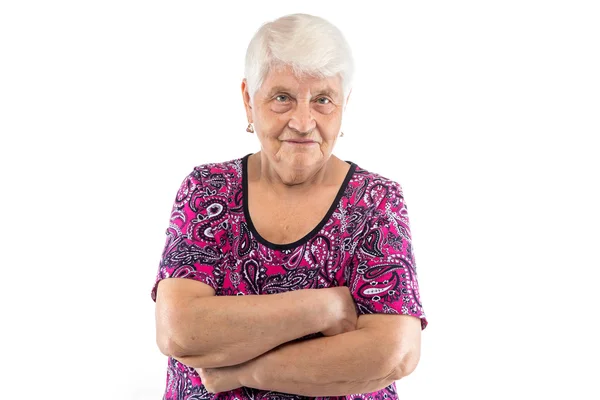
228 330
350 363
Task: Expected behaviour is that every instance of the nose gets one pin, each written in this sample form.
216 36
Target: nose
301 119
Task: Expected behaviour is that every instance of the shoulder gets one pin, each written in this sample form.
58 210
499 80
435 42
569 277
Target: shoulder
376 190
214 178
205 197
386 212
209 180
216 172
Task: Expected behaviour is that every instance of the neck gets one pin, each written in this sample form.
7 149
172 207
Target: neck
260 168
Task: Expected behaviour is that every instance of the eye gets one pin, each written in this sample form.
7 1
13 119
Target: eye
282 95
324 98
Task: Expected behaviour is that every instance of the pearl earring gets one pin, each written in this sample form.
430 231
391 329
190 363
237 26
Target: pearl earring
250 128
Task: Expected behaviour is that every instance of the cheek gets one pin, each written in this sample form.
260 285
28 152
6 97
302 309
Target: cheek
330 137
331 126
272 128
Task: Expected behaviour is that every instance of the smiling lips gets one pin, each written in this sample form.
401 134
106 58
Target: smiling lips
301 142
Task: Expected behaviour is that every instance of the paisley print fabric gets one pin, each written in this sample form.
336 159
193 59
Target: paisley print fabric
363 242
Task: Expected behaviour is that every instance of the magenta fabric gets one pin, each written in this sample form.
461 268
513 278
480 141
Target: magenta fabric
363 242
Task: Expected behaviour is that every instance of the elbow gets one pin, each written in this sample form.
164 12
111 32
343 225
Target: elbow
172 348
405 366
175 339
168 335
167 344
169 347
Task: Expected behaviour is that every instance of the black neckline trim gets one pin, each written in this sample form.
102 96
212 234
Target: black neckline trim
308 236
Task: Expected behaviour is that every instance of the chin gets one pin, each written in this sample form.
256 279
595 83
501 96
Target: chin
302 160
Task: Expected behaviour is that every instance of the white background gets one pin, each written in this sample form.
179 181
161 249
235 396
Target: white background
487 113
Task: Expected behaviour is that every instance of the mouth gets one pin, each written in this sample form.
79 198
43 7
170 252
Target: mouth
301 142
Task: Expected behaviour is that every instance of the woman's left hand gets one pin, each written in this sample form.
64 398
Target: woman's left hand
217 380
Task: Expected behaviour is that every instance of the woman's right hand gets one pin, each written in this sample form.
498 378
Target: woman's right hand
342 312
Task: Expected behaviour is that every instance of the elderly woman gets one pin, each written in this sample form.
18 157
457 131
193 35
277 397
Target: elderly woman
289 273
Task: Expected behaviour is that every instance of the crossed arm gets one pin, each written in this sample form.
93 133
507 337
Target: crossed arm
247 340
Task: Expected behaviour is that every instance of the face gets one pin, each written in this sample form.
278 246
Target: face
297 120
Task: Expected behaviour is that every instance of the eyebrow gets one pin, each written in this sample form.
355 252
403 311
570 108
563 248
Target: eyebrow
327 91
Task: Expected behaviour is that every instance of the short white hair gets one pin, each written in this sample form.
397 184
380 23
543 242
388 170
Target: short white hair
308 44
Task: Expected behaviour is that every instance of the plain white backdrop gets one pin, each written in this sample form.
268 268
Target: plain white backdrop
487 113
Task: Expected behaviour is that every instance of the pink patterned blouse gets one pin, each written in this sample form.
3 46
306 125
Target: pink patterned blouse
363 242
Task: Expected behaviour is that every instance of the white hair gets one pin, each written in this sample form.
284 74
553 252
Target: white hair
310 45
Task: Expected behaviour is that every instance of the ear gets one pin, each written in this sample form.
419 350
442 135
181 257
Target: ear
347 99
247 100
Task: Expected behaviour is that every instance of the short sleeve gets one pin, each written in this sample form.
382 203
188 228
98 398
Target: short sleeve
383 276
191 250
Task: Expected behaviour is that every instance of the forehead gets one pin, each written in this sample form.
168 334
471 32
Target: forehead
283 79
